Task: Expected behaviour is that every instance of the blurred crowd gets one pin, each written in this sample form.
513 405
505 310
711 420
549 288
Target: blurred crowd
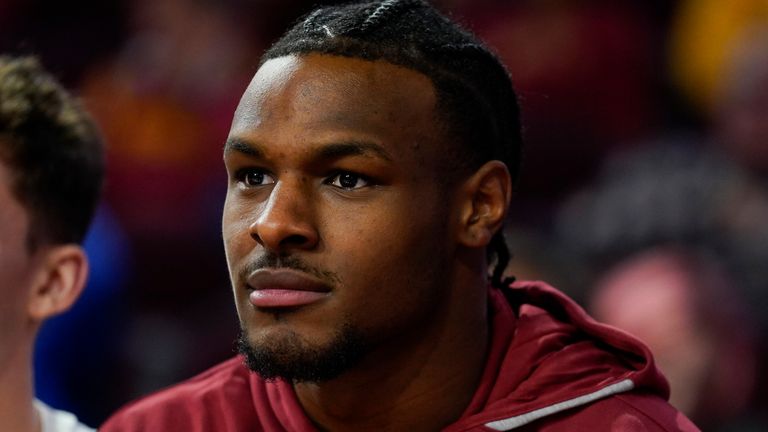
644 193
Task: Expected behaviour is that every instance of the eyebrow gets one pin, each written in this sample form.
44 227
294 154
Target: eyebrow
352 148
328 151
242 146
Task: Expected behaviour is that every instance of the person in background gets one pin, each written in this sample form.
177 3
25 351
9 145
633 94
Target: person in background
51 170
683 303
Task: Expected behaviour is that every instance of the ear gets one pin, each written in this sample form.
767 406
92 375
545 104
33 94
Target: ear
59 282
486 198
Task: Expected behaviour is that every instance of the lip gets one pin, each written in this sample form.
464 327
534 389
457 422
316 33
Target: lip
284 288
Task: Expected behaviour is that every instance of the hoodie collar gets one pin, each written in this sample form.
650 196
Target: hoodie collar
547 356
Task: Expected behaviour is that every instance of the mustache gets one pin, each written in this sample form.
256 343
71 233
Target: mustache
274 261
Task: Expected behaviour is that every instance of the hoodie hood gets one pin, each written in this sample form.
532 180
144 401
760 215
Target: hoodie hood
547 356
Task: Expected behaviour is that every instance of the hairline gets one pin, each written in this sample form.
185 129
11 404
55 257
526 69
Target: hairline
442 112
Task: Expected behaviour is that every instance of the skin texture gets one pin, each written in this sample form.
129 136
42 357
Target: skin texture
333 163
35 285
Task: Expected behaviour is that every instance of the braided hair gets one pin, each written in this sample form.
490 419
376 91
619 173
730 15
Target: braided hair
475 98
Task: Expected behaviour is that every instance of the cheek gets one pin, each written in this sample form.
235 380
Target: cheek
387 250
16 275
366 232
237 245
235 224
237 242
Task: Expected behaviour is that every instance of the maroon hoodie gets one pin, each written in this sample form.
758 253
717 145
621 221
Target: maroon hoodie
550 368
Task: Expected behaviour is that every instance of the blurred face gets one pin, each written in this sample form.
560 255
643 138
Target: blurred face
16 267
335 225
651 297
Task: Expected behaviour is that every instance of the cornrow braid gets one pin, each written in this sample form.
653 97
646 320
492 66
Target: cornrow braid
503 256
476 101
309 21
386 9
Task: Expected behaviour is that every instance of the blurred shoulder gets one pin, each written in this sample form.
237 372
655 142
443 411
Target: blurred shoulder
206 399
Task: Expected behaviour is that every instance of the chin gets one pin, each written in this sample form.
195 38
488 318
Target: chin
287 355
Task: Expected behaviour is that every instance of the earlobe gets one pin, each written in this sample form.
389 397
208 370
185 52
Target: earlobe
489 191
62 277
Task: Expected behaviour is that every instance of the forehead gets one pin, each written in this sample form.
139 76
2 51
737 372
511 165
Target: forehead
323 93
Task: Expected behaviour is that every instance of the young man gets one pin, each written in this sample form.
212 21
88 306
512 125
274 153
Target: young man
51 168
370 166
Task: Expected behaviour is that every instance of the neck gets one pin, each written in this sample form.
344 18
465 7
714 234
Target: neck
428 379
17 413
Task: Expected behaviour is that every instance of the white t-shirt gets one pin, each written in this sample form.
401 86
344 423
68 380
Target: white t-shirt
54 420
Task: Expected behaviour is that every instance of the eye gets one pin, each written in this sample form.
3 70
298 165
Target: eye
348 181
254 177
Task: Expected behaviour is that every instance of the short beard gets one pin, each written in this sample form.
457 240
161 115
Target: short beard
293 360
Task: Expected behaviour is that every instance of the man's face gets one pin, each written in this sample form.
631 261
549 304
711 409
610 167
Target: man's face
16 268
337 226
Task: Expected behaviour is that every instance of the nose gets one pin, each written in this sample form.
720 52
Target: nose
286 220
